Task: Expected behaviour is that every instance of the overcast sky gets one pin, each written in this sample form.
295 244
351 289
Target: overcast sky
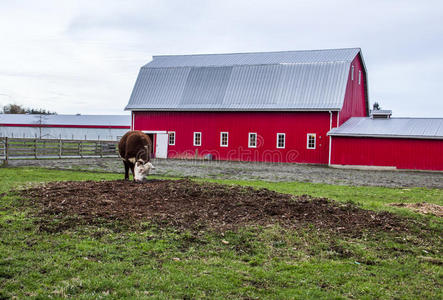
84 56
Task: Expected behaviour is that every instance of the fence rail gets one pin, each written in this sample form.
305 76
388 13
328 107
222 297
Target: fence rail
22 148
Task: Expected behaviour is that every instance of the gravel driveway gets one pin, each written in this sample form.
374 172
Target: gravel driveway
253 171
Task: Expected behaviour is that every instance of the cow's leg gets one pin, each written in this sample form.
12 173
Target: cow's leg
126 169
131 165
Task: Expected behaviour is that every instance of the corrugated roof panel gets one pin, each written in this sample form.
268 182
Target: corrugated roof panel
393 127
313 86
162 87
292 80
205 85
252 86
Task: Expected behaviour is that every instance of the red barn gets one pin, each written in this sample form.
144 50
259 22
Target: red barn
400 143
274 106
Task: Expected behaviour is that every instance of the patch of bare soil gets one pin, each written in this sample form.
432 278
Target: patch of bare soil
423 208
188 205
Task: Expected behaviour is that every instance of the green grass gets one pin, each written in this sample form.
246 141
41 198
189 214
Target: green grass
23 176
144 261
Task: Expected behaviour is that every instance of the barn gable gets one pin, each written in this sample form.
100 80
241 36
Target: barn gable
273 81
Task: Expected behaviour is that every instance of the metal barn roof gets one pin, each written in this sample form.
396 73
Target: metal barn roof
289 80
421 128
78 120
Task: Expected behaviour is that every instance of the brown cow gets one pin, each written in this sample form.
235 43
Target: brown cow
134 146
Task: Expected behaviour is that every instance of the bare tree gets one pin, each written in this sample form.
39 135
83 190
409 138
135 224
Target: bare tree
13 109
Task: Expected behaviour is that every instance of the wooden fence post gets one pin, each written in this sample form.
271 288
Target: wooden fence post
35 148
6 152
60 143
101 149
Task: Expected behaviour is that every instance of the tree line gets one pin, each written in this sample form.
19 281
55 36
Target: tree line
18 109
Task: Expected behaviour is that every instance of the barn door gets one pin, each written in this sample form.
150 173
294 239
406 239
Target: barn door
161 145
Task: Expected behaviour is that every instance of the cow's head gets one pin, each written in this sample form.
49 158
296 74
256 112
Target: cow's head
141 170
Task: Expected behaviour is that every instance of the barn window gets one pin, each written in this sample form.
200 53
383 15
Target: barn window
224 139
281 137
252 140
311 141
359 77
171 137
197 138
352 72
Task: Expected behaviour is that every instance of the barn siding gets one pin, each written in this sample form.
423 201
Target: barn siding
354 104
296 126
419 154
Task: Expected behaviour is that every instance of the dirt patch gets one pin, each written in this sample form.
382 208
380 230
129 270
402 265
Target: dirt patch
189 205
423 208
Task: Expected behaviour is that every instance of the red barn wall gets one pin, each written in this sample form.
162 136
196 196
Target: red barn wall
419 154
296 126
354 104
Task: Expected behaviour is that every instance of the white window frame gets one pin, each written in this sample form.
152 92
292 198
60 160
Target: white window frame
221 138
249 139
352 72
359 77
169 138
284 140
307 140
195 133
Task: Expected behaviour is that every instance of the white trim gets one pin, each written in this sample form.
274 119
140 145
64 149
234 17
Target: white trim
284 140
233 109
330 139
154 131
372 168
338 118
330 150
249 139
193 142
315 141
352 72
132 120
221 139
425 137
169 138
359 77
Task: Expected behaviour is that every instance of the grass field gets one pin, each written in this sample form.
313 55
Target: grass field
146 261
